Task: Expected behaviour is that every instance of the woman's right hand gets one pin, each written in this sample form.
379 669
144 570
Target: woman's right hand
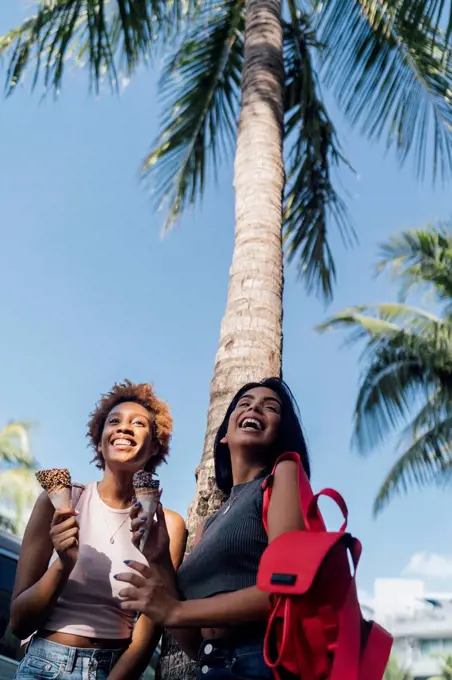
64 532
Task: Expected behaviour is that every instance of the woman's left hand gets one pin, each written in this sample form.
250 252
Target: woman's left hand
149 593
156 547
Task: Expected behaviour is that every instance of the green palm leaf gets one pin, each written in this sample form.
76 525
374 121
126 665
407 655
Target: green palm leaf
19 490
312 152
424 463
201 90
396 672
107 35
391 72
406 381
15 444
401 362
420 258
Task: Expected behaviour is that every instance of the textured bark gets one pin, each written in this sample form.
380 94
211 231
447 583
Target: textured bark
251 331
250 345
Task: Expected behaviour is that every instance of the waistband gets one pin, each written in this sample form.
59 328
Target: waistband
69 656
252 634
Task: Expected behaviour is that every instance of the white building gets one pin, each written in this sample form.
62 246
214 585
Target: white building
420 621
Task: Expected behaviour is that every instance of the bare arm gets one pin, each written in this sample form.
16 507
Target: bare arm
152 593
36 588
146 634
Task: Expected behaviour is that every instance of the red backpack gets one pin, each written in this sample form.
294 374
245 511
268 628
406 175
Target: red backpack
316 630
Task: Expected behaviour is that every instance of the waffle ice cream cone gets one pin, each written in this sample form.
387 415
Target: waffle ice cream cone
147 493
57 483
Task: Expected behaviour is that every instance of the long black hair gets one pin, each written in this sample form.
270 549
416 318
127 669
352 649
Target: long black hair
290 435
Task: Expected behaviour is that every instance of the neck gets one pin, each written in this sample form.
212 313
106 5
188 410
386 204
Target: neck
244 470
116 489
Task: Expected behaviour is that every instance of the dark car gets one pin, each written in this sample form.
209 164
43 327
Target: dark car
10 649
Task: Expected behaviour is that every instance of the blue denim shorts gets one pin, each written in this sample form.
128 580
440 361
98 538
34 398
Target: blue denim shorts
51 661
228 659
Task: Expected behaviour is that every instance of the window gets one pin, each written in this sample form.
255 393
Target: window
9 644
436 646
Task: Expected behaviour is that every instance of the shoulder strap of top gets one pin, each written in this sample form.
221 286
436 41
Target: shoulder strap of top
77 492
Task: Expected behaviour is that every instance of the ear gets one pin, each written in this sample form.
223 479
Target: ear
224 440
99 447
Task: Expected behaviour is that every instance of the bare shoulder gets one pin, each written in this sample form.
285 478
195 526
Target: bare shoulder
286 470
174 521
43 511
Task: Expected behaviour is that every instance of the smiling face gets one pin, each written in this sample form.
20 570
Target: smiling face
255 420
127 437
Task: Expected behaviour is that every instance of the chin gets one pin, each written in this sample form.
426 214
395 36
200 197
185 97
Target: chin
132 460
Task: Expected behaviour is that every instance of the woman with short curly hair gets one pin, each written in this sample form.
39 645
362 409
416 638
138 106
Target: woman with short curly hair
65 594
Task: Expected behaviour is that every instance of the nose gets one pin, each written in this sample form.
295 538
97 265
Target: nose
256 406
124 429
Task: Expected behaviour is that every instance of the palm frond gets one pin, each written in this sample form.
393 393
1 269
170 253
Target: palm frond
402 365
15 444
200 90
391 70
421 465
108 35
390 389
19 490
420 257
311 202
361 324
435 409
396 672
437 12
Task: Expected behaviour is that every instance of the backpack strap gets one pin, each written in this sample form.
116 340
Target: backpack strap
315 520
375 655
309 502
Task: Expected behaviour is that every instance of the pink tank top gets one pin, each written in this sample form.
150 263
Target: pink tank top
89 604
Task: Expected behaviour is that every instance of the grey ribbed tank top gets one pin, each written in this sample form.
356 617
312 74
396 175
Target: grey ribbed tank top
227 556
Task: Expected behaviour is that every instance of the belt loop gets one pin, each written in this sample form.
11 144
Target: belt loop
70 659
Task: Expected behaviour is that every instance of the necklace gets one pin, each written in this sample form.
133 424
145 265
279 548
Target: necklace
112 537
233 500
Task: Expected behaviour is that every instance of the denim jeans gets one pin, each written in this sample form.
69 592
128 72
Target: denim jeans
224 659
50 661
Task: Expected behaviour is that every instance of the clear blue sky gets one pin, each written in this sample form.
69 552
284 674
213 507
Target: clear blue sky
90 294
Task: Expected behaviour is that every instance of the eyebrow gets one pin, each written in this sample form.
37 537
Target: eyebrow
135 415
250 396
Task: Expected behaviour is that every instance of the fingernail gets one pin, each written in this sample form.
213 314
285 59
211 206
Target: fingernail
137 504
115 576
144 518
126 562
142 530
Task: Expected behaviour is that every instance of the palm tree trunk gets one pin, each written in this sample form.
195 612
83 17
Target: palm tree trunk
251 331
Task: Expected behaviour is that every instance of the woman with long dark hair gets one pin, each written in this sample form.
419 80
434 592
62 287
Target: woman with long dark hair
212 605
65 595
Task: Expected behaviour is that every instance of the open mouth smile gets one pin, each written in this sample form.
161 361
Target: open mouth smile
122 441
251 424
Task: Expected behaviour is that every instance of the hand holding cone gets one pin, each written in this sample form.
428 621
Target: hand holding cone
147 493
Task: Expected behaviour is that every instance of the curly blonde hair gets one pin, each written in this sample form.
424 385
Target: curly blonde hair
140 393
